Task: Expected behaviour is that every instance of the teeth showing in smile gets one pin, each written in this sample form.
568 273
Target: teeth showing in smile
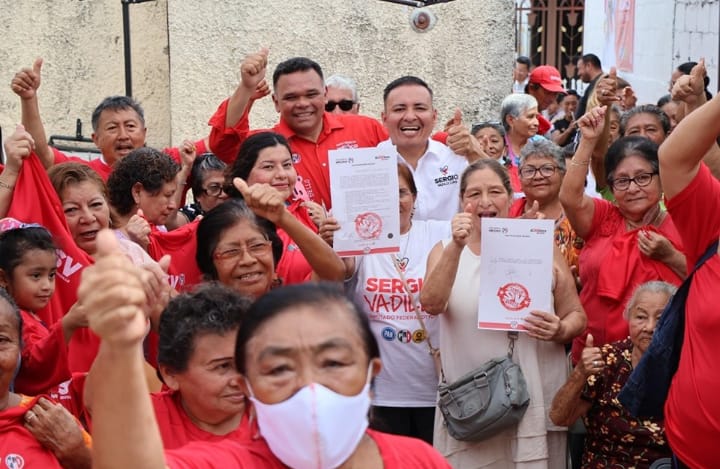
250 277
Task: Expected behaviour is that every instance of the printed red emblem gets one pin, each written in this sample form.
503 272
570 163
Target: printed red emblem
514 296
368 225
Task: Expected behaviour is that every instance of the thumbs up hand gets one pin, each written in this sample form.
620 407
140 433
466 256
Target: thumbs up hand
26 82
461 141
591 360
112 295
462 225
606 88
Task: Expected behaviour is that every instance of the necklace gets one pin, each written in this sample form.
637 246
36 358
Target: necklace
402 260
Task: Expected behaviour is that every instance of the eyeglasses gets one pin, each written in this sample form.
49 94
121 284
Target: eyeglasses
529 172
405 193
345 105
213 190
254 248
623 183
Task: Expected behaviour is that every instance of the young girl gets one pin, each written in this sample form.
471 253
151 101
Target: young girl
27 271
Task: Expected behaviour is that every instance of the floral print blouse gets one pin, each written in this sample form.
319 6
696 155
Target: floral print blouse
616 439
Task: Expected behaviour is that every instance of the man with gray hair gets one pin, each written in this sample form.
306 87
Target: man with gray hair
341 97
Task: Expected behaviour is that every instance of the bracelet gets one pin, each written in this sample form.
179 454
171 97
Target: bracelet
578 163
7 186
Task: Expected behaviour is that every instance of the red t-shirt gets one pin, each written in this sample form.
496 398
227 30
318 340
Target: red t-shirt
177 429
18 447
310 158
293 267
181 245
612 266
544 125
397 452
104 169
692 409
44 356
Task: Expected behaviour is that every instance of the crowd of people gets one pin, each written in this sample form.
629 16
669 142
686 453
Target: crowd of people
185 307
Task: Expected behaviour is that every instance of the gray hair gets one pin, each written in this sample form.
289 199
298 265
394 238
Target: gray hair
344 83
655 286
651 109
544 148
515 105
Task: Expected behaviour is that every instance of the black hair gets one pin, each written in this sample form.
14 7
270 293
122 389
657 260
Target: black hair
16 242
247 157
209 309
5 295
592 59
296 64
522 59
148 166
664 100
634 145
645 109
320 296
225 216
117 103
202 165
406 80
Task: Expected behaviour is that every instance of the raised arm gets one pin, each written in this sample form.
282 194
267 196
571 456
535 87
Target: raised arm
25 84
188 154
579 207
252 73
568 404
18 146
268 203
112 291
681 153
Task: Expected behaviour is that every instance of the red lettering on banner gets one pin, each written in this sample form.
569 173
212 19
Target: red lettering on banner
392 285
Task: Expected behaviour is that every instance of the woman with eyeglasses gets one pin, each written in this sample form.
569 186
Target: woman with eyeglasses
542 169
627 243
265 170
207 176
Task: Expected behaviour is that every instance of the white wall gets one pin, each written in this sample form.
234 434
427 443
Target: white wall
667 33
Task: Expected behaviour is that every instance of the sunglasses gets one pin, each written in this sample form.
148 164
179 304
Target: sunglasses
344 104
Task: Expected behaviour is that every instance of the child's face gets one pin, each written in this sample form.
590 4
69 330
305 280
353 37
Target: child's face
32 282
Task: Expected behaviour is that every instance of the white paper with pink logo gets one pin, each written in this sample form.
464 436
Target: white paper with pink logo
515 271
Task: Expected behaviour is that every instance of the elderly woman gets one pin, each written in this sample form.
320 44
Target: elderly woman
693 200
207 176
196 361
542 169
64 443
648 121
450 290
614 437
307 355
518 114
627 243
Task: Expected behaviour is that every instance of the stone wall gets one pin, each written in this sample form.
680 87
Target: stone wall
186 55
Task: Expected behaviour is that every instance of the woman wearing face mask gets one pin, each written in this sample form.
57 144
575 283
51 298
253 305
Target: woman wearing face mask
308 357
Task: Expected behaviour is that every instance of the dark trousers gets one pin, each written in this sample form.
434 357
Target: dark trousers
417 422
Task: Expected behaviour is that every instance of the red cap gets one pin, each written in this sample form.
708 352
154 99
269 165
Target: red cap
548 77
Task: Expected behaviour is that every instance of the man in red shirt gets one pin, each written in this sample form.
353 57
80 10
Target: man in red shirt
544 85
299 96
118 126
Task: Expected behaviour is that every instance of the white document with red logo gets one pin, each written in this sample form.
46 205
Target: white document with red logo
516 271
365 200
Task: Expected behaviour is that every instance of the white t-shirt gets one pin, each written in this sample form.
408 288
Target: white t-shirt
437 178
408 376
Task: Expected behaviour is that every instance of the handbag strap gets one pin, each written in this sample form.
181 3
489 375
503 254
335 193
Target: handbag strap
417 307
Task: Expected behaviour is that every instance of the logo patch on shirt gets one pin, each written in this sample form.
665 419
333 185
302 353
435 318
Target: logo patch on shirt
404 336
14 461
295 157
388 334
446 178
347 144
